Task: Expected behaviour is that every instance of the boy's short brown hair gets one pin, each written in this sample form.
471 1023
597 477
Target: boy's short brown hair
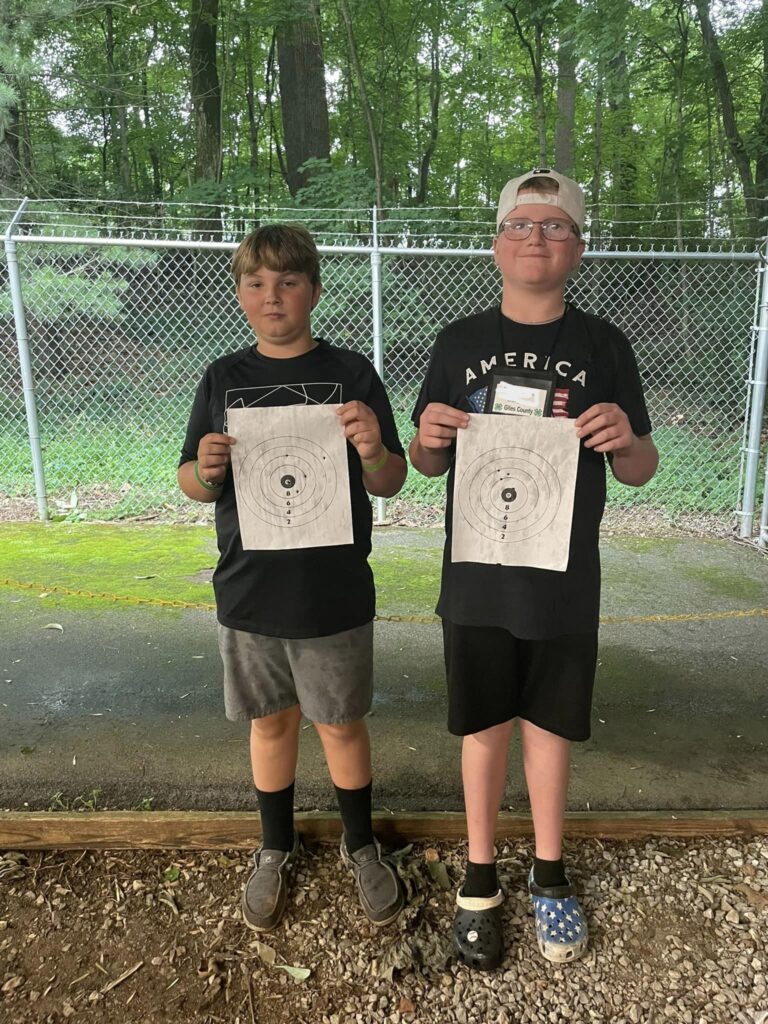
278 247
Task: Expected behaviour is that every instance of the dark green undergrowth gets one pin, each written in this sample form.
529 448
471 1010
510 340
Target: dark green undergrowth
128 469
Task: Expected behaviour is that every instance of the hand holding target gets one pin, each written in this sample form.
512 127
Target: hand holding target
438 425
213 457
362 430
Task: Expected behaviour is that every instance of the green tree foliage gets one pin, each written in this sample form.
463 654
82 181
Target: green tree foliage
430 104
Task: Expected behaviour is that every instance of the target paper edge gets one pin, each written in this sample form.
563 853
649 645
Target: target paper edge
551 447
306 429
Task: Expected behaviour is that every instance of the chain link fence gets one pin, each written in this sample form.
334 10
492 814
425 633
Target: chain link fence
689 318
119 335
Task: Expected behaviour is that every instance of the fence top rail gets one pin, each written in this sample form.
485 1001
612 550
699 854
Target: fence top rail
9 235
367 250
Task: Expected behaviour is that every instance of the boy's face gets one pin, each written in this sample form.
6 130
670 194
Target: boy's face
536 263
277 305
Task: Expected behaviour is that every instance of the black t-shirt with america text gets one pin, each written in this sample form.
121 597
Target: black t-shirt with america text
592 362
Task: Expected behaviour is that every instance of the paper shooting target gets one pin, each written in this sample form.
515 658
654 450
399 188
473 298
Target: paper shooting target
509 494
288 481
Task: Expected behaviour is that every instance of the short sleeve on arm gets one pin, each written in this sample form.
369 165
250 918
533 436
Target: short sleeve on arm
628 388
199 422
378 400
433 388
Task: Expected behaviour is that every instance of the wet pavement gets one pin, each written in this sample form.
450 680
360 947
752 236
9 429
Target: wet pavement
126 701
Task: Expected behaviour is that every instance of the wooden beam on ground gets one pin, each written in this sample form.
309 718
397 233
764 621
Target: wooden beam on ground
216 830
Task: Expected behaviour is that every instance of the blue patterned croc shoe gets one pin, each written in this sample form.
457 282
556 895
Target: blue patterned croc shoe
561 928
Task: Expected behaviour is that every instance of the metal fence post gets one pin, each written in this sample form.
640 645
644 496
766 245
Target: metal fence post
758 383
762 537
378 342
27 378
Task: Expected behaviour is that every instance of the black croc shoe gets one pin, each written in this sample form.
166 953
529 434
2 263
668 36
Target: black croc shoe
266 891
478 938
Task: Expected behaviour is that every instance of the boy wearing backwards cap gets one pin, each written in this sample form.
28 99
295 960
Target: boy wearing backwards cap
521 643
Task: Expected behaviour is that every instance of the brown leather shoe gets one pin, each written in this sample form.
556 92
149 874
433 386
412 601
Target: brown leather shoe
378 885
266 891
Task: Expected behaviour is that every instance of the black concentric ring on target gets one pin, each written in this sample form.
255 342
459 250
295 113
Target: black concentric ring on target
288 481
509 494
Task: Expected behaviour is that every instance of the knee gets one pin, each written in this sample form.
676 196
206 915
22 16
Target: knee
277 726
346 732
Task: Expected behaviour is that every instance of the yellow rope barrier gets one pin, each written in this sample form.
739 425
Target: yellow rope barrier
158 602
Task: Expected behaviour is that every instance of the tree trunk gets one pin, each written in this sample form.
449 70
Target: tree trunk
595 227
434 109
624 166
10 163
761 163
373 137
302 91
274 138
535 55
206 102
732 134
118 115
678 160
566 90
460 127
26 167
154 155
254 122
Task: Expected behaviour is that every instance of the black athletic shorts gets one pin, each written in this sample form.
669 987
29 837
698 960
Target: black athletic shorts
494 676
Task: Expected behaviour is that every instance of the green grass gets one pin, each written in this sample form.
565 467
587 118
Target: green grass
134 464
158 562
173 563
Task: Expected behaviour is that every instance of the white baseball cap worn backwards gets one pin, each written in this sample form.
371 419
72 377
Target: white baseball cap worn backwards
568 197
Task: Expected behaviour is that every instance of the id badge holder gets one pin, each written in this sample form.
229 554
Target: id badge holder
521 393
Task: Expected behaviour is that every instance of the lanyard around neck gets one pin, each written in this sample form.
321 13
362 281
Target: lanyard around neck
552 347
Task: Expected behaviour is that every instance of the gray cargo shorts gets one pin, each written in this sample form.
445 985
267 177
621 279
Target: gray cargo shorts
329 677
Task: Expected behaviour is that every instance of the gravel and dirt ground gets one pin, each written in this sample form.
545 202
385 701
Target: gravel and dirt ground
678 933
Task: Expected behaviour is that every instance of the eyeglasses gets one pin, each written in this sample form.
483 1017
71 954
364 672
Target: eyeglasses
554 230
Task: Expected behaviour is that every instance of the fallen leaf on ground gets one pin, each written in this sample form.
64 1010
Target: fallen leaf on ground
297 973
757 899
265 952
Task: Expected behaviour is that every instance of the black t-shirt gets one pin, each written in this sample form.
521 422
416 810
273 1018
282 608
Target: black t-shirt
593 362
310 591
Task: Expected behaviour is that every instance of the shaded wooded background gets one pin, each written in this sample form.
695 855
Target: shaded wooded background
659 107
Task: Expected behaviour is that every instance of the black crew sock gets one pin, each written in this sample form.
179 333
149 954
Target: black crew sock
276 818
355 808
480 880
548 873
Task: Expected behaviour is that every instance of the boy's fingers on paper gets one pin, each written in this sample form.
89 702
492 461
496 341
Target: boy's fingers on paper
598 416
438 437
590 414
225 439
216 446
613 437
355 410
360 436
444 415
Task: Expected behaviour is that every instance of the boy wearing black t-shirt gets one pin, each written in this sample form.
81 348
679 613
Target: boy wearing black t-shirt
521 643
296 626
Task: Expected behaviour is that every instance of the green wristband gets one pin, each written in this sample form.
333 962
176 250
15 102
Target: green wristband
204 483
374 467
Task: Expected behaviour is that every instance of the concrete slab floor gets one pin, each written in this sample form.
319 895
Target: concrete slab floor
127 700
